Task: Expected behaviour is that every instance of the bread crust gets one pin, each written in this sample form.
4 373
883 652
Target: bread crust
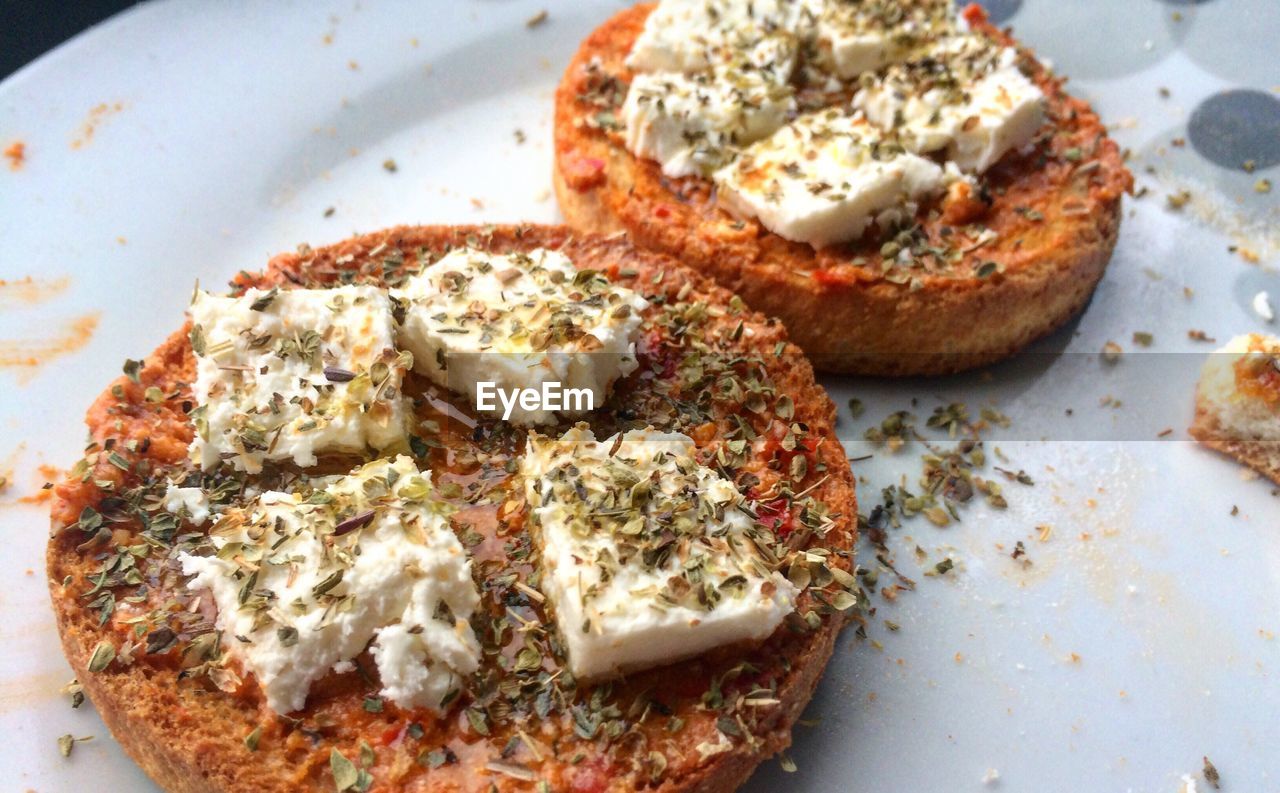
188 735
850 318
1262 456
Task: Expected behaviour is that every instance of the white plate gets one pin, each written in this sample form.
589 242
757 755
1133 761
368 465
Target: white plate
228 130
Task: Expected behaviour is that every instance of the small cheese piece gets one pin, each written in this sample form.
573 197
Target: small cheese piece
648 557
188 502
965 96
303 582
1262 307
520 321
857 37
289 374
693 124
693 35
825 177
1240 387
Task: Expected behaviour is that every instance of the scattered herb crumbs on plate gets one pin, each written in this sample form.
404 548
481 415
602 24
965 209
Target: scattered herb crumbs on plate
856 408
75 691
1211 774
941 568
950 480
68 742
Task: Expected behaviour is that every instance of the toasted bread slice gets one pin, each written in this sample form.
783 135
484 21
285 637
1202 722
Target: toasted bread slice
143 645
1238 403
1260 455
1054 212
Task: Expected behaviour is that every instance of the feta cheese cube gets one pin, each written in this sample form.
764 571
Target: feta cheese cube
289 374
857 37
693 35
694 124
824 178
303 583
965 96
648 557
519 321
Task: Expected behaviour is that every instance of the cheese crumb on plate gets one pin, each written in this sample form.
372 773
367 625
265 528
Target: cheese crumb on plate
1240 387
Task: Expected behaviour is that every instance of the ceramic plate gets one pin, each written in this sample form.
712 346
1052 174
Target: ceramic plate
1134 635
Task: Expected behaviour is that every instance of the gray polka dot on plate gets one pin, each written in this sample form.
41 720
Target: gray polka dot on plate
1233 127
1234 41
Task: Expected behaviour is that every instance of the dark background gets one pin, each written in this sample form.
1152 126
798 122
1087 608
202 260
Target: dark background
29 28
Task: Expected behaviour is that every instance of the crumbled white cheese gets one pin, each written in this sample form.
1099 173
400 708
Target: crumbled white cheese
965 95
1241 416
1262 307
857 37
692 35
693 124
519 321
648 557
825 177
713 94
304 582
187 501
291 374
720 745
